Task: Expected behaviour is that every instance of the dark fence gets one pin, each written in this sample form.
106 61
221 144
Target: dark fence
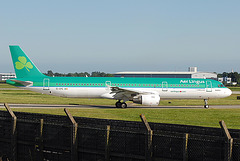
37 137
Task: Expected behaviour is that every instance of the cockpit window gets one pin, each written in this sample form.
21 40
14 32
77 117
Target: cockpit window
220 85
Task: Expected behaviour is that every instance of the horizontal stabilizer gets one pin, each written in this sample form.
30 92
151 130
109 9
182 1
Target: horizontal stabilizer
25 83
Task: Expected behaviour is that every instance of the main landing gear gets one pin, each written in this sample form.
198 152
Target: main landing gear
121 104
206 104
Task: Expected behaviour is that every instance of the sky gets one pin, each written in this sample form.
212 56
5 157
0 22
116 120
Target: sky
128 35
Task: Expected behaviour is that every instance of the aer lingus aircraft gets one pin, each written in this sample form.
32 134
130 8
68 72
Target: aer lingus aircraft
146 91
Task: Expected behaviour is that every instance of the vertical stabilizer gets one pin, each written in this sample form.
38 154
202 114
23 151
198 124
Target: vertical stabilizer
23 66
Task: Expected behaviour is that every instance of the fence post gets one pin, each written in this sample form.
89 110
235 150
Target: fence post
13 133
40 141
228 156
185 149
148 150
107 157
74 145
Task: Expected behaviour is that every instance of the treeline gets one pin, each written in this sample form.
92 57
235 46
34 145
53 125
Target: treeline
82 74
235 76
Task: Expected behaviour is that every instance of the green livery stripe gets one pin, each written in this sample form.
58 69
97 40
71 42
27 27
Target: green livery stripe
123 82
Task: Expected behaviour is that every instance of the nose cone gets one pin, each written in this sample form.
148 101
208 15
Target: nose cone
227 92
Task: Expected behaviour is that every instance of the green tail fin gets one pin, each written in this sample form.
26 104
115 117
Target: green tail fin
23 66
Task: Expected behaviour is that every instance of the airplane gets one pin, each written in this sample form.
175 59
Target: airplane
145 91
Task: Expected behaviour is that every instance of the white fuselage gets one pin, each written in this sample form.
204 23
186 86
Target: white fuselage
104 92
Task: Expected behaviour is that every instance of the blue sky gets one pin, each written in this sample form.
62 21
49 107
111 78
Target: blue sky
126 35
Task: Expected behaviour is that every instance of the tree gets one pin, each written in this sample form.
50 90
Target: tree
234 76
82 74
101 74
49 73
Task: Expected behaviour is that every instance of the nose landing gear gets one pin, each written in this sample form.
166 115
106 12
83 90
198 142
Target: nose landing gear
206 104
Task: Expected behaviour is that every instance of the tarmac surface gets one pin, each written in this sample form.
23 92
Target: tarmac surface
113 107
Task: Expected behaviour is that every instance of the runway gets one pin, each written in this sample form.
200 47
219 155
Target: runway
113 107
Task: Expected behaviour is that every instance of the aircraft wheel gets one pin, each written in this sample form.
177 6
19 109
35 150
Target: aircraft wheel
118 104
124 105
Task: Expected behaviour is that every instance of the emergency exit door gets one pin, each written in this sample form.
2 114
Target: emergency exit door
208 86
46 82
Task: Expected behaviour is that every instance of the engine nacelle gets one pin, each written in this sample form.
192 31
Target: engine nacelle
150 100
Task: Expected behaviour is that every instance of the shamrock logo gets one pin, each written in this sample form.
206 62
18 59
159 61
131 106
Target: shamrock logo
23 63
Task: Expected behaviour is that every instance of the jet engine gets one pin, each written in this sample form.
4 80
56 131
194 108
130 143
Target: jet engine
150 100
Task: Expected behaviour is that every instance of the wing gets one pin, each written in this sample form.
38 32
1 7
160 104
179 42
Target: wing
127 94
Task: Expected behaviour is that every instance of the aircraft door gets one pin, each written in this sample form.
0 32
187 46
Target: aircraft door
164 86
208 86
108 85
46 83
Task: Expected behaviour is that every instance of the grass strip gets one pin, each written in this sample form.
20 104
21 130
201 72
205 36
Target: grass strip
197 117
